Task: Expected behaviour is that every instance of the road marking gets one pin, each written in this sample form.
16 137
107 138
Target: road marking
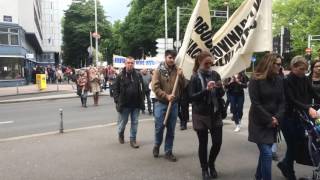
66 131
6 122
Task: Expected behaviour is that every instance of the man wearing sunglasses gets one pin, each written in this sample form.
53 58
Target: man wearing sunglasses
163 82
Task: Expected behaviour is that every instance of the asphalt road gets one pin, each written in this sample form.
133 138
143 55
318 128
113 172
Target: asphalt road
20 119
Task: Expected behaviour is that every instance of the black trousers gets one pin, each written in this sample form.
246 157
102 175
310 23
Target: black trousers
216 137
183 112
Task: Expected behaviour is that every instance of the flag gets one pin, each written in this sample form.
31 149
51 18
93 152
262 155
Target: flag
247 31
197 37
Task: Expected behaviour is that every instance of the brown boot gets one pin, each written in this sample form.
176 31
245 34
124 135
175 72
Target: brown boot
121 138
134 144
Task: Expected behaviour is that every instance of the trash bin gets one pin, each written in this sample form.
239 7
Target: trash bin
41 81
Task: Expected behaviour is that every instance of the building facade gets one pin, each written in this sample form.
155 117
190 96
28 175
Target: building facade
30 35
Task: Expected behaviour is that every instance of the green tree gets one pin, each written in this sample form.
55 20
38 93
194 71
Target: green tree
77 24
302 18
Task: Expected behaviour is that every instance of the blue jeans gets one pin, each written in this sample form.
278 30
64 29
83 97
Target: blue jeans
265 162
237 107
123 120
160 113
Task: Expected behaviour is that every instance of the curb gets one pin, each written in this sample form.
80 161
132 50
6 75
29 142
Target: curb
43 99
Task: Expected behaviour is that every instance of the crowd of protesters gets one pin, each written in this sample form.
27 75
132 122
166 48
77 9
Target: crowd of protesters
275 99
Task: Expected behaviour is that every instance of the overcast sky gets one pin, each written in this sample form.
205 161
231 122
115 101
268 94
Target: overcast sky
116 9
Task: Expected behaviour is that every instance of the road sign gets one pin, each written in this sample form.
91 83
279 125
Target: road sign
253 59
96 35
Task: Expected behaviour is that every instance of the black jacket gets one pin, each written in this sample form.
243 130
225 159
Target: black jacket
299 94
267 101
202 99
237 89
122 86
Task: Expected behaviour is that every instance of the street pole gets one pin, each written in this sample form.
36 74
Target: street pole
281 41
178 29
96 29
166 23
309 41
91 41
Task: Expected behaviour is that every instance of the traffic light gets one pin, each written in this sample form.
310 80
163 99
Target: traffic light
286 41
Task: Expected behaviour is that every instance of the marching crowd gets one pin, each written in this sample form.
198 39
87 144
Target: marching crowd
275 102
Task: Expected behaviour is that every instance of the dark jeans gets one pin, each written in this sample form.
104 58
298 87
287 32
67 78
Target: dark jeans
183 113
147 93
289 130
216 137
237 102
160 113
265 162
111 89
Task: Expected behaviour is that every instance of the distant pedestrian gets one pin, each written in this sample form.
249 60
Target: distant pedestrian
59 75
236 87
83 87
146 81
129 99
183 107
267 109
94 79
111 75
205 91
162 84
314 78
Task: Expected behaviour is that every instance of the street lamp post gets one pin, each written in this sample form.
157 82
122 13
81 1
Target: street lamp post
96 29
166 23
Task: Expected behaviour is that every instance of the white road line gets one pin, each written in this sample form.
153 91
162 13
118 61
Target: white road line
66 131
6 122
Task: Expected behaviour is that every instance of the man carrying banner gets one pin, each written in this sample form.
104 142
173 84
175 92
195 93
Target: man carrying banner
163 82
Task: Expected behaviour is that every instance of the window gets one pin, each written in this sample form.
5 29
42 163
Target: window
11 68
4 39
9 36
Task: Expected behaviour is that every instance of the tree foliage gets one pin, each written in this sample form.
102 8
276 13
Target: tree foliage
77 25
302 18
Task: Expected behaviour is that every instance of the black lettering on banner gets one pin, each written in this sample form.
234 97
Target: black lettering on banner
222 44
257 4
206 36
192 46
228 41
239 31
195 53
202 28
209 44
254 25
198 22
217 51
233 37
243 23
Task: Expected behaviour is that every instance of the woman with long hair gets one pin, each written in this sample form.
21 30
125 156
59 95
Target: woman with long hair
205 89
314 78
267 109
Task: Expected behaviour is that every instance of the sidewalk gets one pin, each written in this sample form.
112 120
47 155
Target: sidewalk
33 89
96 154
32 93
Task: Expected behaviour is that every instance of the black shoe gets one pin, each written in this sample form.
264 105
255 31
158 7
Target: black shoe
182 128
213 173
283 168
150 113
121 138
156 151
304 178
205 175
170 157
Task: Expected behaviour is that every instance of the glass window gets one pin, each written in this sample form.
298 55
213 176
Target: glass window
4 39
11 68
3 29
14 39
14 30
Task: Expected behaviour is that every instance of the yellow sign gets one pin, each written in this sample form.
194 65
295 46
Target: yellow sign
41 81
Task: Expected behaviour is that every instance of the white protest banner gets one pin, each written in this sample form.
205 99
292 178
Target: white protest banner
148 63
197 37
248 30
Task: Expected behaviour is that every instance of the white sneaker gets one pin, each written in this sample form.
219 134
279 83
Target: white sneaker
237 129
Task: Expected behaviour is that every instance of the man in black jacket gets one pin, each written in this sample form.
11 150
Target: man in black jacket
129 99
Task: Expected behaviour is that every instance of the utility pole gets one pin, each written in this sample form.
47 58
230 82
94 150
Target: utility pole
166 23
281 41
178 29
96 29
